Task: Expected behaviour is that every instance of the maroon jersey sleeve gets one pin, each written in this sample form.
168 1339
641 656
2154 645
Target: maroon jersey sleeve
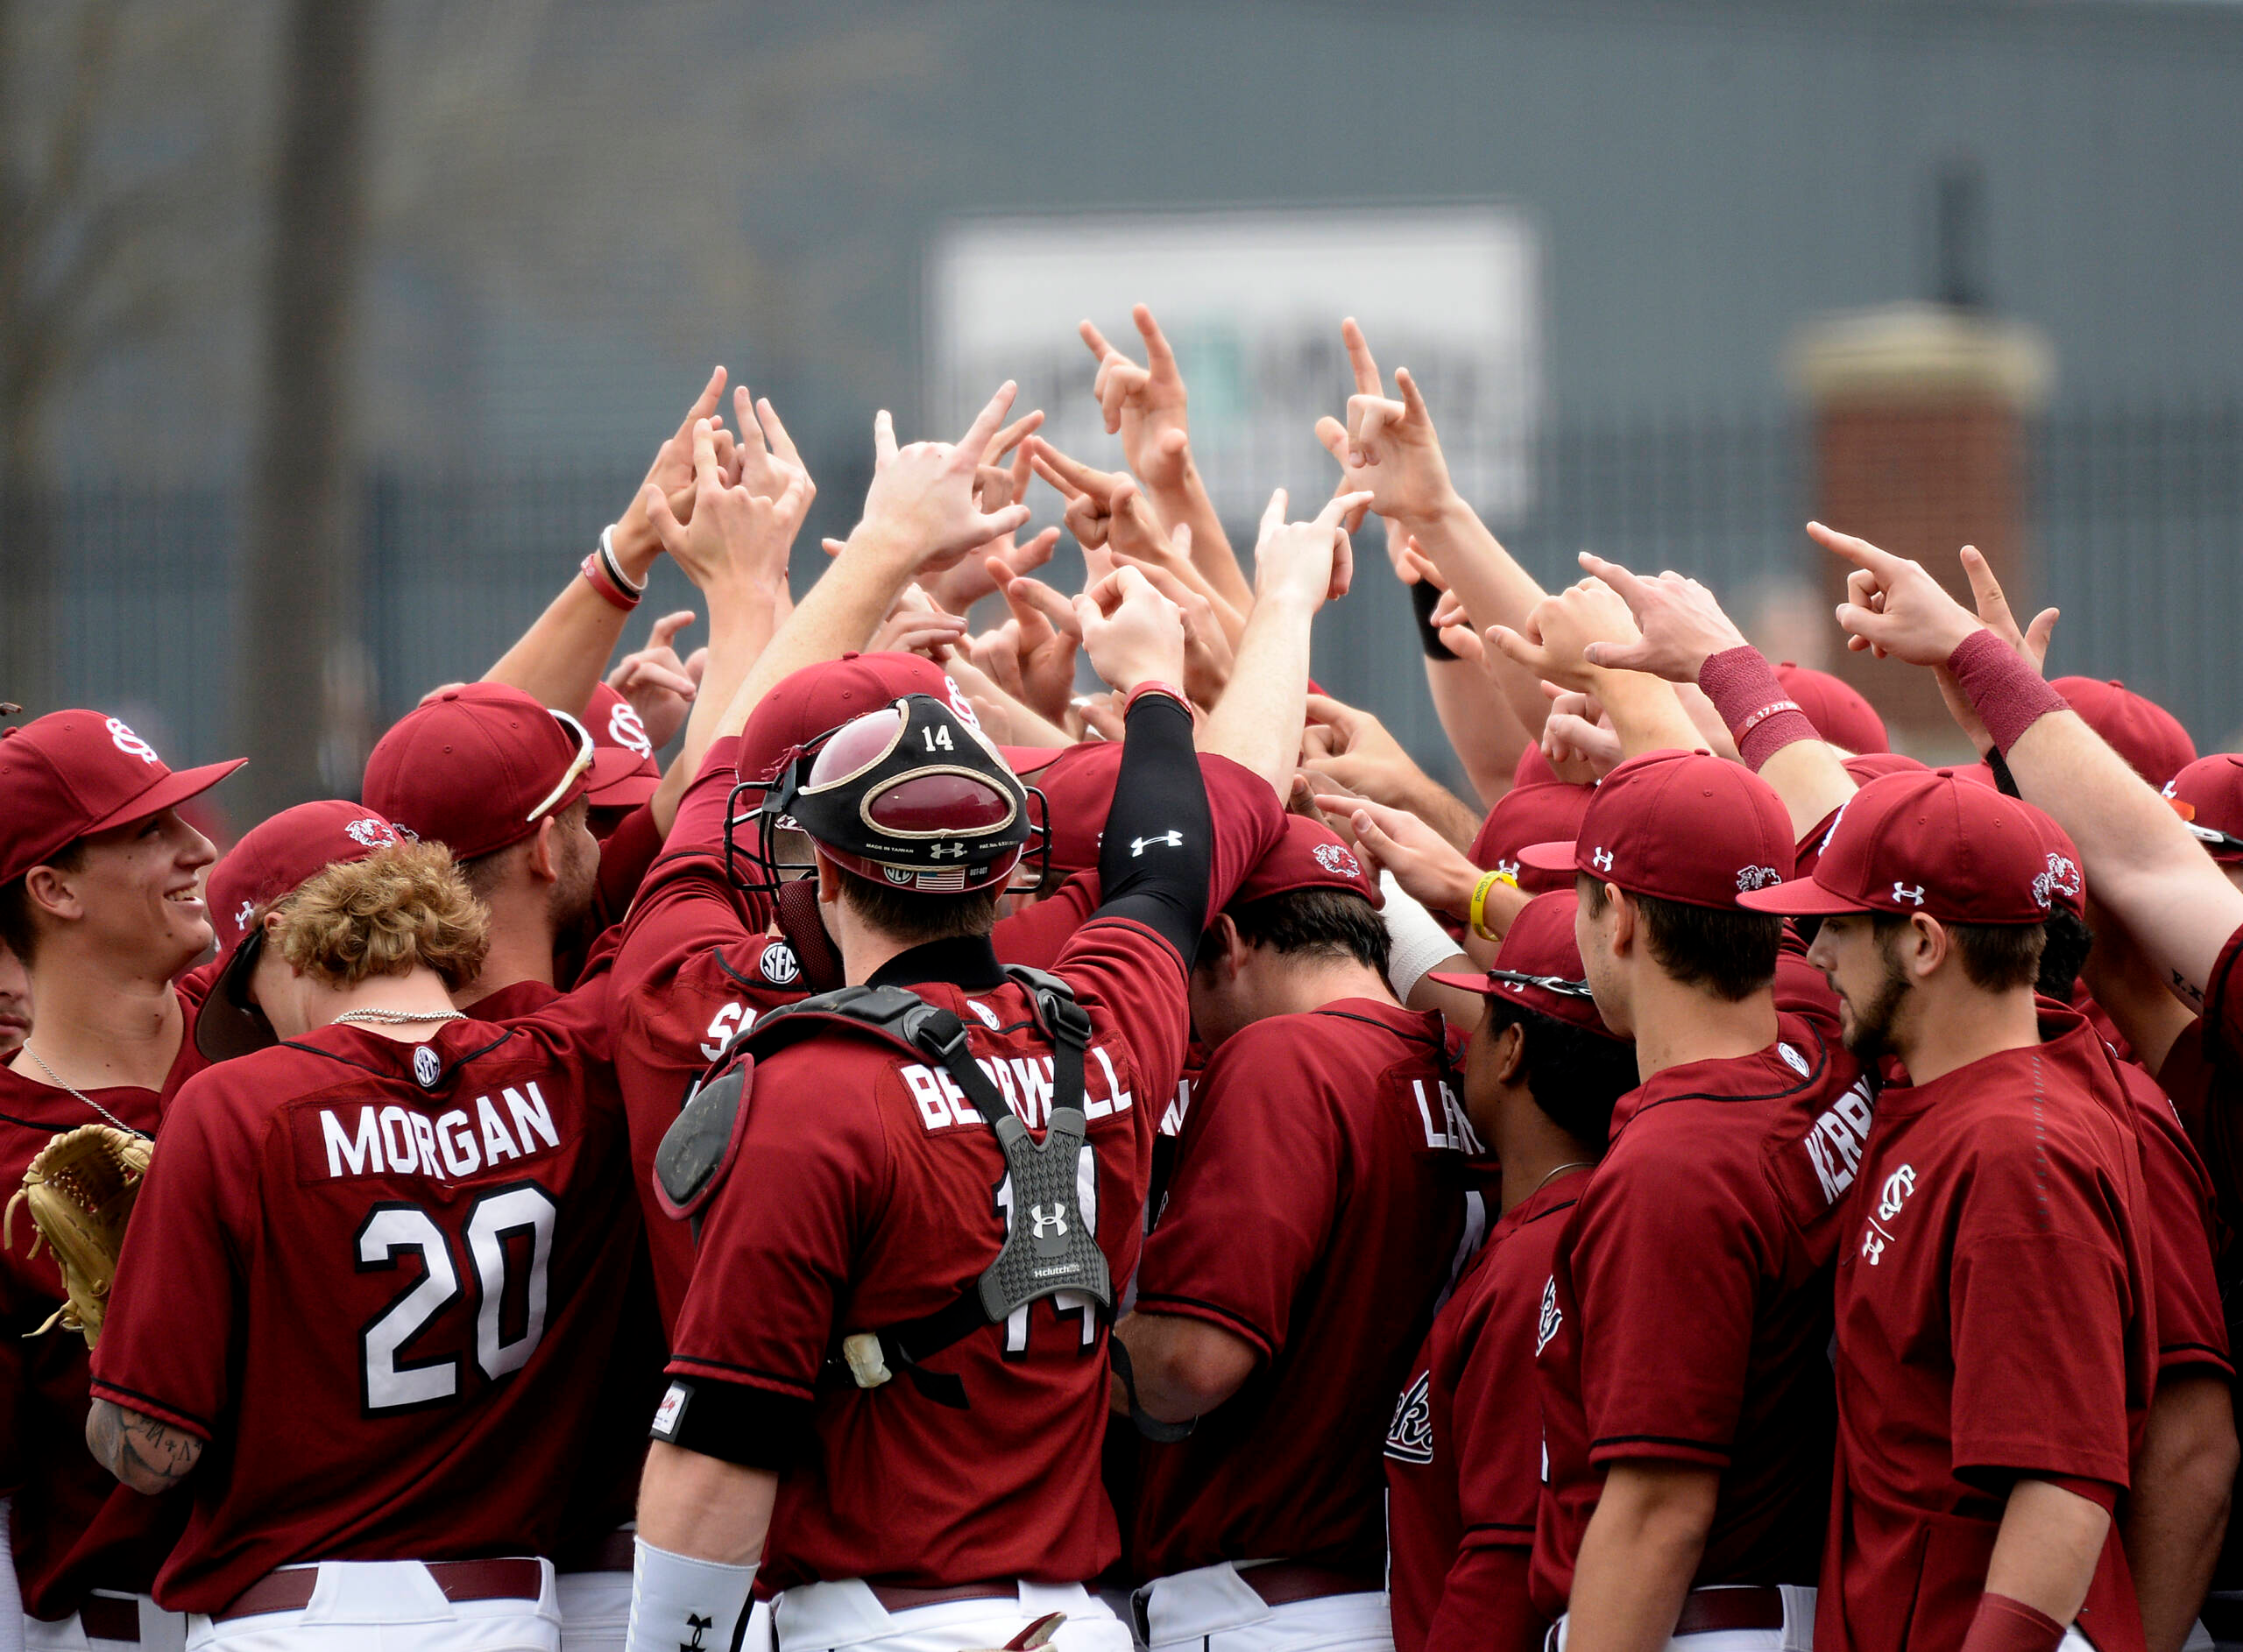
1665 1267
2038 1301
165 1340
2182 1216
630 849
1249 821
1251 1205
1036 934
794 1256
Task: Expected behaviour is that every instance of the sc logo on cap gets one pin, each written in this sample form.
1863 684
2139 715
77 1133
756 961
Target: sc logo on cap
628 729
128 743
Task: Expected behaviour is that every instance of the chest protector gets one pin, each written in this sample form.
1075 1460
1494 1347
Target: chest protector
1048 1248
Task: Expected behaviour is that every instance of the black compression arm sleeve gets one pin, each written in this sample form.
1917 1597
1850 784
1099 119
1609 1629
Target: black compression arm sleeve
1159 850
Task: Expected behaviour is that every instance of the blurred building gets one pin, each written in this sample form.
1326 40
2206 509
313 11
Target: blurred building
577 206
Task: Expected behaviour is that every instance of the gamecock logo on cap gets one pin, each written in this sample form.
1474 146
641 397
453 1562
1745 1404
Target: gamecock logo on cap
1751 878
1335 857
369 833
2062 877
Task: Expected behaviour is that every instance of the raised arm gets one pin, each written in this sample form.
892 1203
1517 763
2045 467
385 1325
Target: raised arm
1297 567
1686 638
921 513
1555 647
734 547
1389 448
2144 868
1145 406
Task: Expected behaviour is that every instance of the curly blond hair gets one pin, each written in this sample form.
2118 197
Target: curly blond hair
406 904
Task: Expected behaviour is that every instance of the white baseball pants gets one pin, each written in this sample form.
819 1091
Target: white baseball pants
844 1617
388 1605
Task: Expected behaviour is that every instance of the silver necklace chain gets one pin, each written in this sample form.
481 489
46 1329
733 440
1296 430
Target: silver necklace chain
401 1018
1558 1169
56 1078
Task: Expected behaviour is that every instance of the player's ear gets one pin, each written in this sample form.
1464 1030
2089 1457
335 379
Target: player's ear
1233 956
1507 1054
544 856
50 891
829 883
1625 916
1926 945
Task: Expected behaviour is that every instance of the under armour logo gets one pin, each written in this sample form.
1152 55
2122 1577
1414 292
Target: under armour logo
697 1625
1601 859
956 851
1173 839
1914 897
1051 1217
242 918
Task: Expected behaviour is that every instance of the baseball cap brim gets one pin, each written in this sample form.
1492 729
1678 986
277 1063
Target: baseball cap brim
1551 857
618 779
1477 981
1800 898
226 1025
174 789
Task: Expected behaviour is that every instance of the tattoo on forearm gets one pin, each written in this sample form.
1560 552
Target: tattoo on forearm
146 1455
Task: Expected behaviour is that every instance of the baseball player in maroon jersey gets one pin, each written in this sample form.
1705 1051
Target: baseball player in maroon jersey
500 782
1681 1355
2165 907
99 900
923 1458
1317 1207
1996 1336
384 1241
1464 1453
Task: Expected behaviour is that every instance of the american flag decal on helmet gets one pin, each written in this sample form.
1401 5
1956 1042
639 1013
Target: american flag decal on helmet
951 880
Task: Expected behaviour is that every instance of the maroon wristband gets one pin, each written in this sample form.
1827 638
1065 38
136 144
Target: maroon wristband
1759 715
599 579
2004 1625
2006 692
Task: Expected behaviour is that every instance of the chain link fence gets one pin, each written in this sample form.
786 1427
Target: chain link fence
2138 520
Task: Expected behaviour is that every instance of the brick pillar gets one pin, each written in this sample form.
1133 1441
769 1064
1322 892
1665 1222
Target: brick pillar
1918 417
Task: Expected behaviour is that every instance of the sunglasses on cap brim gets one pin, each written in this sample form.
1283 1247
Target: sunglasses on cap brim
586 749
2218 843
1557 984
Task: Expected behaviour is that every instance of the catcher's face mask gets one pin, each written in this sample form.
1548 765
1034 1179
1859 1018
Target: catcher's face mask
911 795
229 1024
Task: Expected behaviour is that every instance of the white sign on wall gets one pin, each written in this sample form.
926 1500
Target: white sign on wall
1252 302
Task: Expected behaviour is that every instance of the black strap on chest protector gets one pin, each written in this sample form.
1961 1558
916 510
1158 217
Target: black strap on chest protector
1049 1247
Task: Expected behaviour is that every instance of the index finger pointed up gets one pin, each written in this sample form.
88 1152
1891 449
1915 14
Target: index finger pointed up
1413 401
1631 588
975 442
705 403
1096 340
1159 357
1273 514
883 437
1859 551
751 433
1359 357
775 433
705 455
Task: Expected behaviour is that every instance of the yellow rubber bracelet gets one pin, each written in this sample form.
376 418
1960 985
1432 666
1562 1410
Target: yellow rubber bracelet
1479 909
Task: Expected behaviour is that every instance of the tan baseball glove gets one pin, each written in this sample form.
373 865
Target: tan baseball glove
81 1189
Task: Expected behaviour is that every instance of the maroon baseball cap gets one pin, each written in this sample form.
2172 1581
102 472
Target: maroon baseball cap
624 772
2136 727
805 704
1538 813
1680 826
1078 786
1934 843
1539 966
477 766
1865 766
1534 769
272 861
1309 855
2209 795
70 773
1835 707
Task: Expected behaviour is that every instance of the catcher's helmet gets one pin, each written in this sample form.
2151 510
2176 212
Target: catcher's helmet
911 795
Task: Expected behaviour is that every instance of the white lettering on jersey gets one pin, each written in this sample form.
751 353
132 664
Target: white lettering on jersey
362 1153
730 1022
1410 1437
1454 1131
454 1145
1547 1327
1025 1083
1834 1146
1171 1121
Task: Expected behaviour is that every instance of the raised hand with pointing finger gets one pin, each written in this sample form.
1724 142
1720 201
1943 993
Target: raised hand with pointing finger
923 500
1144 405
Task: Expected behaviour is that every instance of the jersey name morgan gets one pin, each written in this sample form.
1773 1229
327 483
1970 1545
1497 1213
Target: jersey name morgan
515 1124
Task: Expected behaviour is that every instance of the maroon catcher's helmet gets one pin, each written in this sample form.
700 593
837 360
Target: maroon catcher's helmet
911 795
